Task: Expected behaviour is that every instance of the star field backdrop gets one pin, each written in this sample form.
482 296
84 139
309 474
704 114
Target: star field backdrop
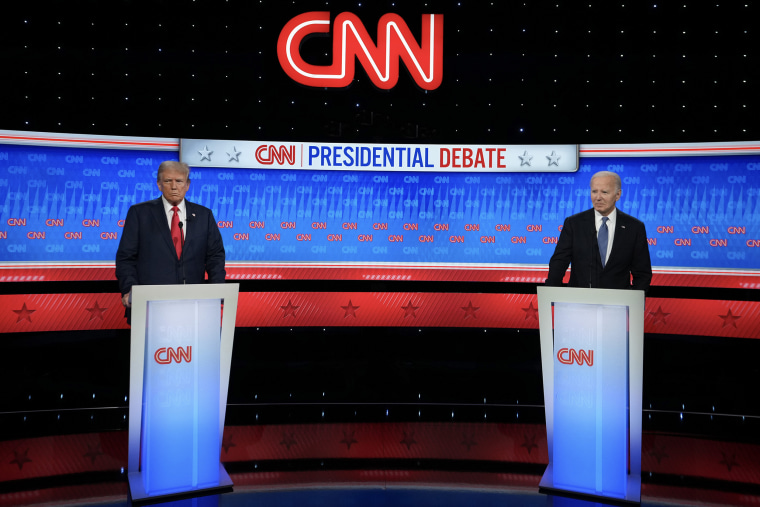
513 73
532 71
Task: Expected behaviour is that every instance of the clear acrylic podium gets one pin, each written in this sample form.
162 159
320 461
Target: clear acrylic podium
592 355
181 348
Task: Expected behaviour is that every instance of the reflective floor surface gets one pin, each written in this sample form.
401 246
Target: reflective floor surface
368 488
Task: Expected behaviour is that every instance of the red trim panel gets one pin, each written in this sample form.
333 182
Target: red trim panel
104 271
68 312
105 142
518 443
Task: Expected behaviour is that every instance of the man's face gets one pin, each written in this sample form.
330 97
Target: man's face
604 194
173 184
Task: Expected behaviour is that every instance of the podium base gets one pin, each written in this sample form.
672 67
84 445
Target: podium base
138 494
632 497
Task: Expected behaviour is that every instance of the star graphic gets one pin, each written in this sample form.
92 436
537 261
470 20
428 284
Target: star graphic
468 440
408 440
409 309
659 453
554 158
728 318
93 452
469 310
234 155
24 314
529 442
227 442
350 310
290 309
96 312
525 159
659 315
531 312
288 440
729 462
348 439
20 458
205 154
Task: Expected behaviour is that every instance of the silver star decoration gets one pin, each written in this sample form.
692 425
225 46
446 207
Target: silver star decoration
234 155
525 159
205 154
554 159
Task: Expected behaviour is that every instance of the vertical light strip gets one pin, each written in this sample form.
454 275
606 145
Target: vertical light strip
145 422
599 373
196 374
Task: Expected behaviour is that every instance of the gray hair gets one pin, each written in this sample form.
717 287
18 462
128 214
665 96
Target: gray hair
604 174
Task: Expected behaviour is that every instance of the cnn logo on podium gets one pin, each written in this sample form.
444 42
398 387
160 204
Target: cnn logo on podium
572 356
167 355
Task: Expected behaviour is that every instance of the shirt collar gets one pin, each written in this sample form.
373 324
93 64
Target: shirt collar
168 206
612 216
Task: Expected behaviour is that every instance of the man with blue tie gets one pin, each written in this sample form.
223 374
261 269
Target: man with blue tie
606 248
169 240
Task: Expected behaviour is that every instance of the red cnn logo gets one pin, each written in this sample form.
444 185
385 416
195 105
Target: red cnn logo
166 355
268 155
570 356
351 41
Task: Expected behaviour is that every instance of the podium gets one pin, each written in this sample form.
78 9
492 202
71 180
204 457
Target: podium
592 355
181 348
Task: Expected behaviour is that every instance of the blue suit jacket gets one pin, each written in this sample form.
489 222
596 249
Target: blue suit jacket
146 254
577 245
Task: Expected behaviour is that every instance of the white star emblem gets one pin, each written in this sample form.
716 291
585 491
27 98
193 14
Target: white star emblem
234 155
554 159
205 154
525 159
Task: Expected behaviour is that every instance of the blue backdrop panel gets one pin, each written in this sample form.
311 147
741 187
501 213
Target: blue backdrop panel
699 211
66 204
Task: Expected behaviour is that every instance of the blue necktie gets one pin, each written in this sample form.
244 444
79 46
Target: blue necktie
603 238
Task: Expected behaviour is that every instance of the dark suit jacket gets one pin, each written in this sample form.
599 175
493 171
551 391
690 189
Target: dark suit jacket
577 245
146 254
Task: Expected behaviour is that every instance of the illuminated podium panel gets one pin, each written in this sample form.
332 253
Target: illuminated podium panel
179 374
592 344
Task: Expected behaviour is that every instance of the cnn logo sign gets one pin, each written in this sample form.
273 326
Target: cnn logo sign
351 41
572 356
165 355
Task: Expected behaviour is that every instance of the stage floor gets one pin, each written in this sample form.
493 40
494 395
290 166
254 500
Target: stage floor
371 488
408 424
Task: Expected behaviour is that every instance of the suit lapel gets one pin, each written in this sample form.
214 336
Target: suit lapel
620 233
192 223
590 227
159 216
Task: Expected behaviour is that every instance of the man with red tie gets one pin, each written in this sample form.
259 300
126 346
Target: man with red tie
607 248
169 240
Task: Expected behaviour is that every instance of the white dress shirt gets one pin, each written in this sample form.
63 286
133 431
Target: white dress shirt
169 214
610 227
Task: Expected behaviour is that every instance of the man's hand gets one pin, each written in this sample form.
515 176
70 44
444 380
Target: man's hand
125 299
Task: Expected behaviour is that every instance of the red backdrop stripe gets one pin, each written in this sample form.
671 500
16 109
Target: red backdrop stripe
70 312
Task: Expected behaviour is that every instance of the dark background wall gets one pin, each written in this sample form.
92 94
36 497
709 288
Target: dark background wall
532 71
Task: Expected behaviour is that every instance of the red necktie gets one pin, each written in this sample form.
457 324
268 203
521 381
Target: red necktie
176 232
